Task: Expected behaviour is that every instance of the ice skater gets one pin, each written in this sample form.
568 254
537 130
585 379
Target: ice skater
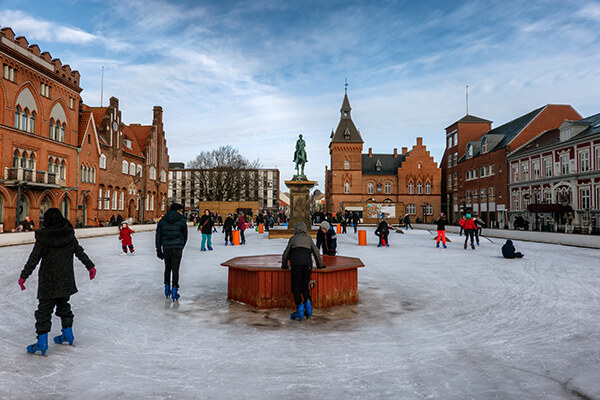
326 239
441 223
125 237
407 222
206 227
508 250
469 228
55 245
170 239
297 254
383 232
228 228
242 227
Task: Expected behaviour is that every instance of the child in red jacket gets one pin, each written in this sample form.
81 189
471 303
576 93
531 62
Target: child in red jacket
125 238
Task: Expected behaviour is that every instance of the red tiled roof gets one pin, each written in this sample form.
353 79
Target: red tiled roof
135 147
83 122
141 132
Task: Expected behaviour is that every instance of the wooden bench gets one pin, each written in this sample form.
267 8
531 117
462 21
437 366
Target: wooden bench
260 281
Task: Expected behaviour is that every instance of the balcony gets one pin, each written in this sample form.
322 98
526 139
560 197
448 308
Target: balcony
33 177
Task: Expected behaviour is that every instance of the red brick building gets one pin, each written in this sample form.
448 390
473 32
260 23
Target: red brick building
57 152
369 184
474 164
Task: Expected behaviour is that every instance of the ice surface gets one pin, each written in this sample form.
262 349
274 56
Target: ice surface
430 323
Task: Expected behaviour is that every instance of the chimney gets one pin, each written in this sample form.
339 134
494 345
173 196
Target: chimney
370 152
419 141
404 150
395 152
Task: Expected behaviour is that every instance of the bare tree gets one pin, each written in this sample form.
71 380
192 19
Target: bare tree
222 174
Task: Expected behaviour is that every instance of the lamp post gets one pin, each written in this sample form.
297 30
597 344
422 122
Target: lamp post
424 214
536 193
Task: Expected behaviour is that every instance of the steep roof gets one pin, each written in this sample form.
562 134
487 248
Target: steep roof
83 122
388 164
346 131
470 118
141 133
135 147
513 128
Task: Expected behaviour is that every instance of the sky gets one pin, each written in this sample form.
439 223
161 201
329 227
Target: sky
256 74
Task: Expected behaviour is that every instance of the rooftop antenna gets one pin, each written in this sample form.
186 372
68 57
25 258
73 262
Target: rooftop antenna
467 100
102 87
345 85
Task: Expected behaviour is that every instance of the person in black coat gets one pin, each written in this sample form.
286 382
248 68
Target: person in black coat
228 228
55 245
441 223
326 239
205 225
170 239
383 231
355 221
508 250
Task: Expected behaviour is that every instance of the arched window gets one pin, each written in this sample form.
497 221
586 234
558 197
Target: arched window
121 200
163 175
419 188
100 199
16 159
64 207
153 173
114 200
124 167
51 131
24 119
388 188
93 175
102 161
139 170
57 130
18 117
82 173
428 188
346 187
370 188
31 164
132 169
23 161
411 188
62 132
50 166
63 169
32 122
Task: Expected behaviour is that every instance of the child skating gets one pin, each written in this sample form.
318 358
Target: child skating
441 223
125 238
55 245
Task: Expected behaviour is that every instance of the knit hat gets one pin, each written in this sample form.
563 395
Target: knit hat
325 225
468 215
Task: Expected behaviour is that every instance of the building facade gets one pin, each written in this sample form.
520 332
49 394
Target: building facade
554 179
191 187
474 166
371 184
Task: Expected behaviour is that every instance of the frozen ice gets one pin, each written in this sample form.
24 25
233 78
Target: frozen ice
431 323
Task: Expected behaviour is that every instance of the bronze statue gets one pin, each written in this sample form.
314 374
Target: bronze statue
300 156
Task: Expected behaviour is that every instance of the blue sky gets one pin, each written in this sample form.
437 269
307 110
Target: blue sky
255 74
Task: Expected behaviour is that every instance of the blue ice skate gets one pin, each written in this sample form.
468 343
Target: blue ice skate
299 313
445 246
167 291
307 309
231 242
41 345
210 248
174 295
226 243
437 244
67 336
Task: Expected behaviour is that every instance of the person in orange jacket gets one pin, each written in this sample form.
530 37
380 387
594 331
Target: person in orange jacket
125 238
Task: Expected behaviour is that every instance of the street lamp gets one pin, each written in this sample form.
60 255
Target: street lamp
424 215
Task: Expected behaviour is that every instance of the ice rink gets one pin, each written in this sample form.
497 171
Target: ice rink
430 324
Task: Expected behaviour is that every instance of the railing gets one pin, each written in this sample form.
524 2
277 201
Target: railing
33 176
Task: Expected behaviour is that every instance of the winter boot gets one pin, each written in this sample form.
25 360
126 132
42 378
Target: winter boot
67 336
307 309
174 294
299 313
167 291
41 345
437 244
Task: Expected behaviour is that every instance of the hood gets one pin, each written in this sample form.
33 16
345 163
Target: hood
56 236
509 241
300 228
172 216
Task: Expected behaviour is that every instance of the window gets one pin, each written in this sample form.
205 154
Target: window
31 162
584 161
449 181
51 130
121 200
428 209
100 199
62 133
411 209
63 169
8 73
16 159
370 188
536 169
102 161
564 164
153 173
163 177
419 188
469 151
388 188
132 169
525 169
346 187
114 200
18 117
455 159
484 145
449 144
482 171
125 167
107 200
411 188
468 175
515 172
455 138
449 160
346 164
139 170
32 122
71 103
428 188
24 119
548 167
45 90
585 197
379 188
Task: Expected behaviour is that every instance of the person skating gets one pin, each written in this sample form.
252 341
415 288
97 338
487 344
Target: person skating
469 228
170 239
461 223
441 230
242 227
383 231
206 227
355 221
297 254
125 237
55 245
228 228
407 221
508 250
326 239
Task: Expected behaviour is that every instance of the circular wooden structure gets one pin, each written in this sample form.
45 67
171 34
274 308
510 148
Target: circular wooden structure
260 281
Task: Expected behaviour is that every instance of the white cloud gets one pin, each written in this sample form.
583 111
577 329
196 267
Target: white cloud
38 29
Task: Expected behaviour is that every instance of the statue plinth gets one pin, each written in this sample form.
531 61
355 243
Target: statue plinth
299 201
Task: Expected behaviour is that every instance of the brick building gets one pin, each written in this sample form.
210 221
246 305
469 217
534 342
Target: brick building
474 165
39 125
369 184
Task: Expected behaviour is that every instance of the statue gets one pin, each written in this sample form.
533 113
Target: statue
300 156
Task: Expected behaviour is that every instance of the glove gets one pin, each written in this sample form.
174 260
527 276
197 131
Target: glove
92 272
160 254
22 283
284 266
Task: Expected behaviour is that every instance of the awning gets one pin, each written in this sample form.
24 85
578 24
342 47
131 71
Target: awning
558 208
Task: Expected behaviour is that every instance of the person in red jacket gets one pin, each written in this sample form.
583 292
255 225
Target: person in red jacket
470 228
125 238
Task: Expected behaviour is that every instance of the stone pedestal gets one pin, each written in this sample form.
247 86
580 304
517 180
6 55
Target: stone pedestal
299 202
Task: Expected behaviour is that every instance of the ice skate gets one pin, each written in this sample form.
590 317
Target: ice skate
307 309
67 336
41 345
445 246
167 291
299 313
174 295
210 248
437 244
472 246
465 246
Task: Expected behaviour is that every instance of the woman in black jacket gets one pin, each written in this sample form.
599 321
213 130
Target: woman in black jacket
383 231
55 245
206 227
441 230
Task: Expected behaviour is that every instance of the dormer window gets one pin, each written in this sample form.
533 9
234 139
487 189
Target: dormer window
127 143
347 134
378 165
484 145
566 134
470 151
